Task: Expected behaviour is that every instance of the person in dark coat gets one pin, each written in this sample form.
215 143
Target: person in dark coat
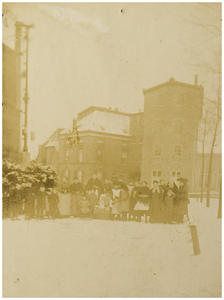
171 185
133 201
41 195
143 197
168 206
53 203
29 201
156 203
181 206
15 201
76 191
96 184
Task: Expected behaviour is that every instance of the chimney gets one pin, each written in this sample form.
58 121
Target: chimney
74 123
195 79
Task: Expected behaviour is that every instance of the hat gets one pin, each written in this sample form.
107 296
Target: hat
155 181
181 179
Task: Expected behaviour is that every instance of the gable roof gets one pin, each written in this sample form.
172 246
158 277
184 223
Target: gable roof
172 81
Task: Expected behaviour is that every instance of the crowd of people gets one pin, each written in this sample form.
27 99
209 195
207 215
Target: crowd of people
164 202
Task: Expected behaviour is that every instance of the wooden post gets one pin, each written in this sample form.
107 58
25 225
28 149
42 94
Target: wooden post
220 202
195 241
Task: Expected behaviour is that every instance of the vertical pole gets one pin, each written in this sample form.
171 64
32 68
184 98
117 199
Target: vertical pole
220 202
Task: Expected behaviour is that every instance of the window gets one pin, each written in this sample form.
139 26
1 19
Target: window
99 156
156 175
114 177
177 151
123 158
178 126
157 151
80 155
140 157
140 140
175 175
100 141
123 177
158 127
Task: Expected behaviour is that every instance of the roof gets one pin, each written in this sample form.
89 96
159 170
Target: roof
104 122
172 81
91 109
53 141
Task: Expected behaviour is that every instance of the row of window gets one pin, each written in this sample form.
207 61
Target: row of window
177 151
162 100
158 175
124 155
158 126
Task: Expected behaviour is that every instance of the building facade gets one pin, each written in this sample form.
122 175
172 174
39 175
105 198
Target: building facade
103 146
172 113
11 114
159 143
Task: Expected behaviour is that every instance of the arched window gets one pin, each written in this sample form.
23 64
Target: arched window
158 126
177 151
178 126
157 151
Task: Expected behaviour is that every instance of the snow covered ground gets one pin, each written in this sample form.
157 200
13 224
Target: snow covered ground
96 258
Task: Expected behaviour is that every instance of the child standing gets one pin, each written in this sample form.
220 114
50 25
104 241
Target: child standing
92 198
84 207
116 198
168 207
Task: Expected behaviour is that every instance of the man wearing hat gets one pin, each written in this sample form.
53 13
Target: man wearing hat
95 184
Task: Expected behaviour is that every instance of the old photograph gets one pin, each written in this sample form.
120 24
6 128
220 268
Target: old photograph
111 150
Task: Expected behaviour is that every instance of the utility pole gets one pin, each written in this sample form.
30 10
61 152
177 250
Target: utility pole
19 26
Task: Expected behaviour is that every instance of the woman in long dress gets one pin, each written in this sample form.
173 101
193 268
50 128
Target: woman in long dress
142 206
75 190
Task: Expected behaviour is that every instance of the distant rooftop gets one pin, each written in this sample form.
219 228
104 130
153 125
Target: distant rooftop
173 81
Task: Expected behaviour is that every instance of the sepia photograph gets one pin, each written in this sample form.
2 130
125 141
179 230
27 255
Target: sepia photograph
112 150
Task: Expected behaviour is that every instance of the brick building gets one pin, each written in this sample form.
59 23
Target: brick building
159 143
171 117
11 114
103 146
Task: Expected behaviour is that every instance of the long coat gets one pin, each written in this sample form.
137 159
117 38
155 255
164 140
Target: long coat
156 204
94 184
182 201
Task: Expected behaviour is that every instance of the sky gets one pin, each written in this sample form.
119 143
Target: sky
104 54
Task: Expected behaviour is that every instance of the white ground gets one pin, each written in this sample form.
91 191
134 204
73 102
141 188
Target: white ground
96 258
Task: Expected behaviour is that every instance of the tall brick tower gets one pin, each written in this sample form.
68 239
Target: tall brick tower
171 118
